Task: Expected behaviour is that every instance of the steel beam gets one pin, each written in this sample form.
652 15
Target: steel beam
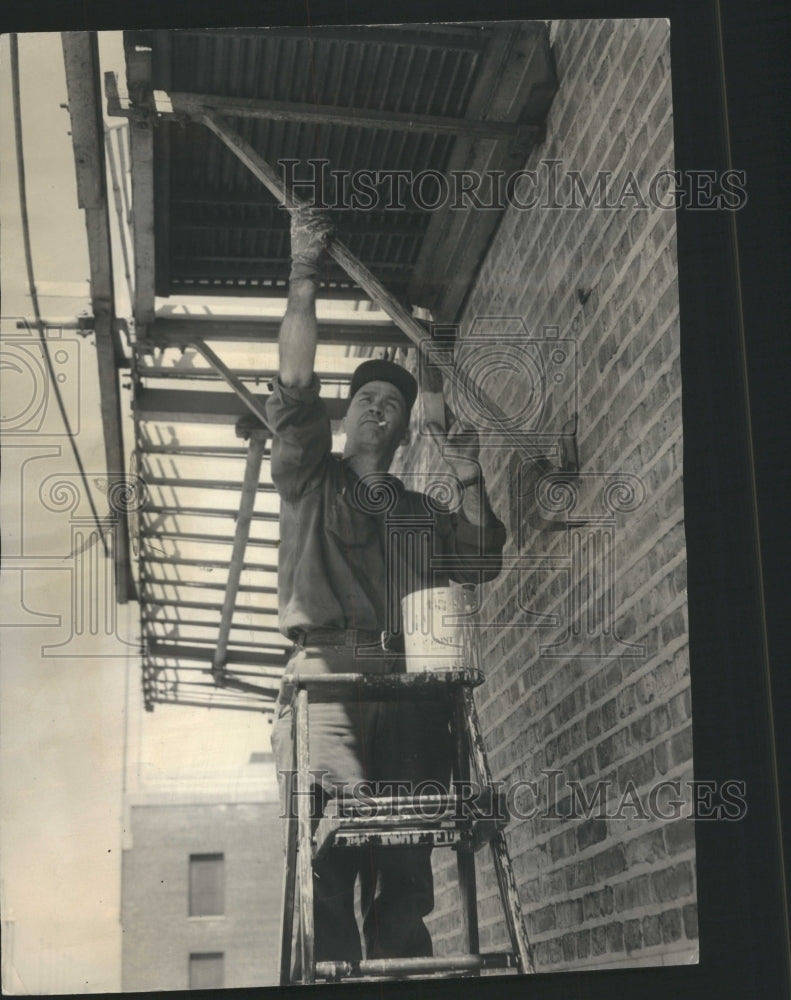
149 582
201 451
81 60
194 407
206 606
141 152
200 484
250 374
181 331
209 563
241 656
193 105
189 536
257 515
165 620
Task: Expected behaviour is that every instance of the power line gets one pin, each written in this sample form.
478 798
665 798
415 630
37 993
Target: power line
20 161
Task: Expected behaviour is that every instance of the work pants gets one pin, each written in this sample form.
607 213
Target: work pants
374 743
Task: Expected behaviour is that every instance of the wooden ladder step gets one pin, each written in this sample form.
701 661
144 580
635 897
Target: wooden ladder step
399 821
401 967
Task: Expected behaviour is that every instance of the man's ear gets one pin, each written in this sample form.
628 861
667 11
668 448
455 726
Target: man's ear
407 436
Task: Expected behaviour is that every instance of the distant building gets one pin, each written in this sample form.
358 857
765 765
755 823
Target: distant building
201 884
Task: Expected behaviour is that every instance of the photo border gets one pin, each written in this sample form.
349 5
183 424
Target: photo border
743 916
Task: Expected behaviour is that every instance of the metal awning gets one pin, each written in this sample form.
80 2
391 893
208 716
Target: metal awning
408 100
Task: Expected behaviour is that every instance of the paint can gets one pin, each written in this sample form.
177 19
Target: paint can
434 632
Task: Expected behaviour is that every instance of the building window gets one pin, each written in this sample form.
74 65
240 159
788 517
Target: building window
207 970
207 885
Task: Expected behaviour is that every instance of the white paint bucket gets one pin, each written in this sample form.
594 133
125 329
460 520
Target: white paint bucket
433 640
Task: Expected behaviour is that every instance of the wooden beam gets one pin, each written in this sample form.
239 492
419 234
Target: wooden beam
180 331
141 151
336 249
193 105
413 328
81 60
194 407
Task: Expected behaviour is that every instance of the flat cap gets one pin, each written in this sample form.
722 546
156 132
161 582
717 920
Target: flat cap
385 371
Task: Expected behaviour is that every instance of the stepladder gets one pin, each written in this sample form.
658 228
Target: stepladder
467 816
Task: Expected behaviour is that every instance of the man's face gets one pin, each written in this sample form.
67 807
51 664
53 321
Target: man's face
376 417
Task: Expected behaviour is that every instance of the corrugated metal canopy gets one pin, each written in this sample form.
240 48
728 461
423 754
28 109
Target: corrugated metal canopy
219 232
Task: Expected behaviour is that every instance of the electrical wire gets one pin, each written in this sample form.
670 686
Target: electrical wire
20 160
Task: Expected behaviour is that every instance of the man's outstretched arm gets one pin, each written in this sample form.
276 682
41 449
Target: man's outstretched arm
299 330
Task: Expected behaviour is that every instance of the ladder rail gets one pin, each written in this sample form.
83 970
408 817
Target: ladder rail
469 755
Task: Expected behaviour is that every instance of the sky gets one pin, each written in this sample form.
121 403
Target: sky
70 701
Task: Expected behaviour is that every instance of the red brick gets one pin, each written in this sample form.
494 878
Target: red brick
673 883
636 892
543 920
609 862
671 926
632 935
592 831
645 849
562 845
598 903
679 836
690 916
569 912
652 931
615 937
599 940
579 874
681 746
638 771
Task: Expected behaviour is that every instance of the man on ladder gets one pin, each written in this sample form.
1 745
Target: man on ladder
335 587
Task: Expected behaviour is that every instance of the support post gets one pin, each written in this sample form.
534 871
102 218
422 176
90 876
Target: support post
249 488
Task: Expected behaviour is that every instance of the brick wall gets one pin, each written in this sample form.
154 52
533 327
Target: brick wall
611 887
159 934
